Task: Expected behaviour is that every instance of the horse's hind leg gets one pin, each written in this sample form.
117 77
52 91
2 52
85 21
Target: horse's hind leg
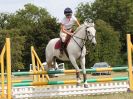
49 63
49 60
82 63
73 61
54 63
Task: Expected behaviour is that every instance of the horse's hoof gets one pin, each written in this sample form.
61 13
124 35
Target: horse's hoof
78 84
86 86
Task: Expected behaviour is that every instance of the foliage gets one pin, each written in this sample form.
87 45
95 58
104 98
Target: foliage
3 20
37 26
117 13
34 25
108 45
17 46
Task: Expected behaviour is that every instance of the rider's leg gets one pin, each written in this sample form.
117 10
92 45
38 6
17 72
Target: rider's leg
63 38
62 47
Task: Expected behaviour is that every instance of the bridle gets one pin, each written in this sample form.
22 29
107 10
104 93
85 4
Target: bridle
88 34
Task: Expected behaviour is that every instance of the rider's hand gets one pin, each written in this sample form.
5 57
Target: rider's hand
71 34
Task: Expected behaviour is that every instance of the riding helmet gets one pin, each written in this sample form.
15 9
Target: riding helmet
67 10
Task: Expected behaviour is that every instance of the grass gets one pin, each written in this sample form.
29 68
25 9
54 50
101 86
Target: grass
106 96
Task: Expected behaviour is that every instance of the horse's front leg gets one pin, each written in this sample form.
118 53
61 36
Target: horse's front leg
82 63
74 63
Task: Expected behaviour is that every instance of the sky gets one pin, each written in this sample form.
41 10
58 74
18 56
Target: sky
54 7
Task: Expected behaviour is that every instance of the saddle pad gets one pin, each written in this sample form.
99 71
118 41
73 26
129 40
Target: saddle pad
58 44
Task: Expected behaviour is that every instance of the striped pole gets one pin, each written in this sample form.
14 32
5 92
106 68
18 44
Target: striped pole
106 69
68 82
67 71
17 81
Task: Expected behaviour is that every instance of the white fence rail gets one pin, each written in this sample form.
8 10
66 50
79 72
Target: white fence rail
68 90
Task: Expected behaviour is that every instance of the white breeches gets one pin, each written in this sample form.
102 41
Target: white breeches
63 36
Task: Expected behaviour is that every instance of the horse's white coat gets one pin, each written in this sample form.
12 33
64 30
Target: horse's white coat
85 31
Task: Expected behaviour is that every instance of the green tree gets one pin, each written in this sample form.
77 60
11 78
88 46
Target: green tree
107 38
107 48
4 20
38 27
84 11
17 46
117 13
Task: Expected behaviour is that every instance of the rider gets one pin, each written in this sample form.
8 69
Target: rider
66 26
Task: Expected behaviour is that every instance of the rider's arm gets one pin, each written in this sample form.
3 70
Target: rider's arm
77 22
63 30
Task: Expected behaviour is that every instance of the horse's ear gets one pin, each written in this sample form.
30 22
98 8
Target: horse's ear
89 24
93 24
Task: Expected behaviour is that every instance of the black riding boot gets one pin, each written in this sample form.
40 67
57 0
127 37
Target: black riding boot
62 47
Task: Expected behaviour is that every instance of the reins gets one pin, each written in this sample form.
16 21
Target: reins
83 39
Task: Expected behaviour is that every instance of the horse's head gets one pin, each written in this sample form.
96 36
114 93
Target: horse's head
90 30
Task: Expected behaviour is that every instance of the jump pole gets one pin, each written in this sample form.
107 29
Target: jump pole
8 57
2 71
68 82
67 71
129 50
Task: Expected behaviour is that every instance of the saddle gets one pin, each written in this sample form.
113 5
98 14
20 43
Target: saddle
59 42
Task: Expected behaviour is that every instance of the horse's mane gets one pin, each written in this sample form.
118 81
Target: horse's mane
90 25
78 28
